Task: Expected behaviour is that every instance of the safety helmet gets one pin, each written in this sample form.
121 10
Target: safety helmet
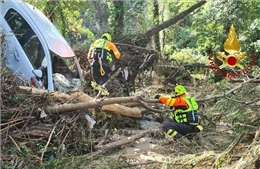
179 90
106 36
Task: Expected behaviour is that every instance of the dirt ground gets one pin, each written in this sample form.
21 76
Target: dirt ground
158 151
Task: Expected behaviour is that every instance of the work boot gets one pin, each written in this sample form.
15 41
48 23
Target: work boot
166 140
169 138
184 141
199 138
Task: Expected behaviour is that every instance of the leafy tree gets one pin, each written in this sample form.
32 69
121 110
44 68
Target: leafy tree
66 16
212 23
156 22
174 18
118 18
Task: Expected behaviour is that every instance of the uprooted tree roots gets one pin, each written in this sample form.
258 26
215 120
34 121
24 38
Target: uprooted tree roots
138 61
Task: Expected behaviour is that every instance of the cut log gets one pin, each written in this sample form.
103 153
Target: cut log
35 91
108 104
86 102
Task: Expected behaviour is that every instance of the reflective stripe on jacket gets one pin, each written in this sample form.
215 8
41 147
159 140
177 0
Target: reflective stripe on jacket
185 108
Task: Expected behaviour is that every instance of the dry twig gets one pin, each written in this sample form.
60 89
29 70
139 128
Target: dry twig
49 140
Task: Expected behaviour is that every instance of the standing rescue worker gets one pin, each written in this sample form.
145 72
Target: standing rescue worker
184 115
101 54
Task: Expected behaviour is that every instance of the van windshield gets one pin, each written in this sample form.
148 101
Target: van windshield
26 37
34 49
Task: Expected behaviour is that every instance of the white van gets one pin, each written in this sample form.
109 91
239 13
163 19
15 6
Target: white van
34 50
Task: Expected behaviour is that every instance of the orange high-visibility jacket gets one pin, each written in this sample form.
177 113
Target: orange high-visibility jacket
177 102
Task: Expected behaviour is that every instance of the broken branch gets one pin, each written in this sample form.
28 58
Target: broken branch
121 142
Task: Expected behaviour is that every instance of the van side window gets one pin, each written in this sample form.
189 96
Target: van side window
62 67
26 37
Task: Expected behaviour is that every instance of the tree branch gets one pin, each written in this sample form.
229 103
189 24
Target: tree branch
174 20
225 93
121 142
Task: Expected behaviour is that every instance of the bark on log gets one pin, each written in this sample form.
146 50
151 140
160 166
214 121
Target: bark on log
53 94
105 104
86 102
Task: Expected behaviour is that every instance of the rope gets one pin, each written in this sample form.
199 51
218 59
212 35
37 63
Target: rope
101 69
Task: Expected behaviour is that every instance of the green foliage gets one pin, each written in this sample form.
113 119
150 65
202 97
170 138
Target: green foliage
116 18
222 161
205 29
212 23
180 35
188 56
237 108
103 90
136 18
198 76
63 163
25 149
80 162
67 17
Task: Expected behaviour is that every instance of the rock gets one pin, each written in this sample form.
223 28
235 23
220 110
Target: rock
150 125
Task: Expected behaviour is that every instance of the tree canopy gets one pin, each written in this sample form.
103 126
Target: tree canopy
204 29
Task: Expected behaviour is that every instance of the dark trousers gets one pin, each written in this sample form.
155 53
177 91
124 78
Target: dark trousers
95 71
181 128
95 67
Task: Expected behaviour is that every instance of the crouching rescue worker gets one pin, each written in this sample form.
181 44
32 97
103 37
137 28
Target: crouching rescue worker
184 115
101 54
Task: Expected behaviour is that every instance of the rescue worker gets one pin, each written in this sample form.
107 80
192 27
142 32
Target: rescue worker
184 115
101 54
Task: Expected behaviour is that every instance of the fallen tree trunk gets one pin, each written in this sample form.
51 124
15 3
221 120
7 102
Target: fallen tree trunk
106 104
85 102
174 20
121 142
112 104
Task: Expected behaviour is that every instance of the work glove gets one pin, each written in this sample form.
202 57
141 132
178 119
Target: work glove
157 96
